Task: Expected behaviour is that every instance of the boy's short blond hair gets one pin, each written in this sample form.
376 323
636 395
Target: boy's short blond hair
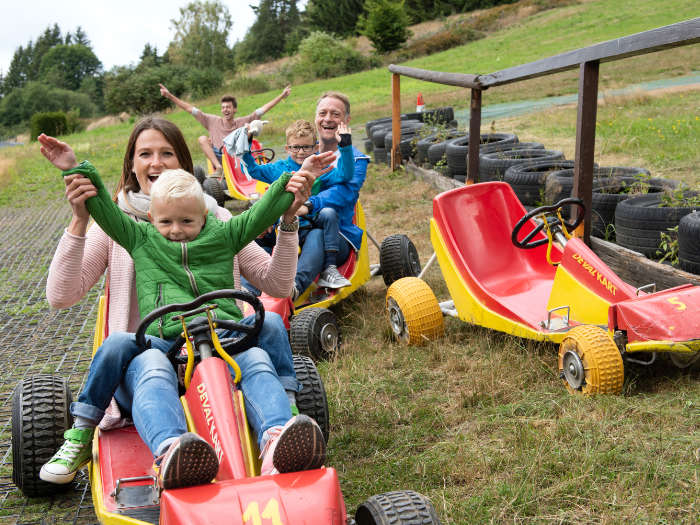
301 128
177 184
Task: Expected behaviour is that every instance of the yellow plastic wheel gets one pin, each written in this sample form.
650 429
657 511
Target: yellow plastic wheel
414 313
589 362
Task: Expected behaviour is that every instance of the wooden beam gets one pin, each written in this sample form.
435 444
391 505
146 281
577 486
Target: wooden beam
637 270
450 79
585 140
674 35
474 137
395 154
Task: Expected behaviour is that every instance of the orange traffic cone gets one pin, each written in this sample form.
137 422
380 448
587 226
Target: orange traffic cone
420 106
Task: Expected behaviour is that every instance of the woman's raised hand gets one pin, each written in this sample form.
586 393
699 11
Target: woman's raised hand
57 153
317 165
78 188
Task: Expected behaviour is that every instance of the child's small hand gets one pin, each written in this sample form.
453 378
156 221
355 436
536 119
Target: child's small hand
57 153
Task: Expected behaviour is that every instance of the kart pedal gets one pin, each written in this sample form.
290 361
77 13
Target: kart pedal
130 496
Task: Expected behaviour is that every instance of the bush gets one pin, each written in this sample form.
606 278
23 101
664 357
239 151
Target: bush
21 103
52 123
137 91
386 24
246 85
322 55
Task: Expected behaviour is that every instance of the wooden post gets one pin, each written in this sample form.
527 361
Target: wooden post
395 154
585 140
474 137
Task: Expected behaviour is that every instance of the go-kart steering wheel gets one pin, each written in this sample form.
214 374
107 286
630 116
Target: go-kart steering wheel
552 218
263 156
232 345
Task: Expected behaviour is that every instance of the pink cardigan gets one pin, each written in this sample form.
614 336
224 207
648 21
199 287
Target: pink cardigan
79 262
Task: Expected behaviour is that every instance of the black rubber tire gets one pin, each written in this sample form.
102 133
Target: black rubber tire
387 120
312 400
40 416
398 258
369 145
689 243
379 155
314 332
607 194
213 187
379 133
422 146
400 507
500 146
443 115
492 166
406 133
527 179
436 151
200 173
559 183
456 154
639 222
456 151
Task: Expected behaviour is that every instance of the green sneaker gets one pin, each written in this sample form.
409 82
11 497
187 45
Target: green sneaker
73 454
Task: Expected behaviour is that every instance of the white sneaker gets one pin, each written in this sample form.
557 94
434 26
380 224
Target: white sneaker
331 278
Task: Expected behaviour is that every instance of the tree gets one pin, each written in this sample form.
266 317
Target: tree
66 66
201 36
386 24
334 16
276 21
18 74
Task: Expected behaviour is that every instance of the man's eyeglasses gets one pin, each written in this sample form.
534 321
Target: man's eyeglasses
305 147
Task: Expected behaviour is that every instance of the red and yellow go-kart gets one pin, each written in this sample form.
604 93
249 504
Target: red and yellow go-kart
124 486
545 285
234 181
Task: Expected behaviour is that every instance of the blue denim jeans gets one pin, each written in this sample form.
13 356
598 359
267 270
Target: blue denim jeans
320 247
218 152
146 386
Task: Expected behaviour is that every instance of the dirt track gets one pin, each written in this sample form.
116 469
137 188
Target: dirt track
37 339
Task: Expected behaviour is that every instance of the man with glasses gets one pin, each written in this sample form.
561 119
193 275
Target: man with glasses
319 230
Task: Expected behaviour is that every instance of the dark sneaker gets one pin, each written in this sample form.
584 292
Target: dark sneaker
331 278
73 454
189 460
299 445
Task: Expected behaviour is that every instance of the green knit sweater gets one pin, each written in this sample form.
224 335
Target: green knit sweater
176 272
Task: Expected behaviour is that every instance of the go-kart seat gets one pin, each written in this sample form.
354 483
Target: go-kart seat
476 222
238 181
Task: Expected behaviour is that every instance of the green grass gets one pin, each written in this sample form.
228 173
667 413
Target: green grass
479 421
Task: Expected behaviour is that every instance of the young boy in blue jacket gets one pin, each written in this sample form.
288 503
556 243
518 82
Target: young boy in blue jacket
301 143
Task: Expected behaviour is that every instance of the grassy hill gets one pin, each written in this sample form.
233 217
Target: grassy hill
479 421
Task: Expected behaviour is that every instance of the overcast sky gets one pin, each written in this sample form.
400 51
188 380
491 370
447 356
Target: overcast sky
118 30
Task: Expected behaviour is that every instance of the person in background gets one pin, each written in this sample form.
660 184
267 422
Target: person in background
301 143
220 126
332 114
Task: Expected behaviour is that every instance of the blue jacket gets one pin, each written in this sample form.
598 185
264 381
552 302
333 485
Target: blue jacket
271 172
342 198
